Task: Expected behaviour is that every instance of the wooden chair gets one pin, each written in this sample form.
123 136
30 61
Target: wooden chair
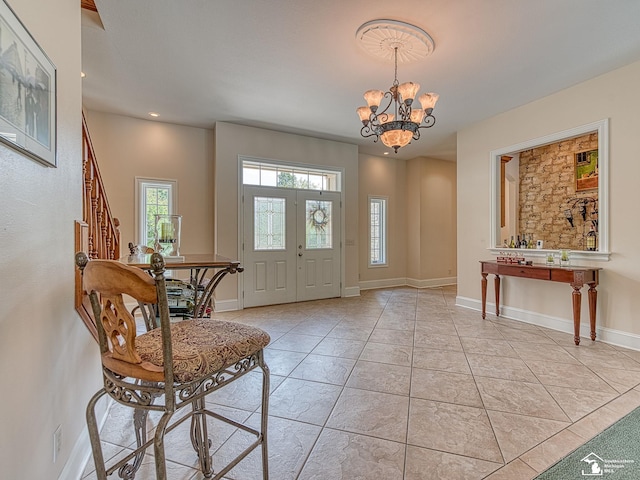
168 368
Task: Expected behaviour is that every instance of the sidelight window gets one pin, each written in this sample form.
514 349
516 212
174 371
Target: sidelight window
377 231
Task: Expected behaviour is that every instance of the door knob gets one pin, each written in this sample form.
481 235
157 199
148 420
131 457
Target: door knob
300 254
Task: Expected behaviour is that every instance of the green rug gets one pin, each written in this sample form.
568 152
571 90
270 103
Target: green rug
612 454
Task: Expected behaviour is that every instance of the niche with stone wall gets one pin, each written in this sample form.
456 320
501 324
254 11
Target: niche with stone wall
547 188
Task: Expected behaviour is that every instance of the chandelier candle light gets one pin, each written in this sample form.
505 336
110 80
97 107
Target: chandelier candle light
390 115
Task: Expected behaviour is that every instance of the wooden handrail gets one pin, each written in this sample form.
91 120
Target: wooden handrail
104 235
97 234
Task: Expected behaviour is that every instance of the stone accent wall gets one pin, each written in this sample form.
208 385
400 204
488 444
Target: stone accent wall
547 182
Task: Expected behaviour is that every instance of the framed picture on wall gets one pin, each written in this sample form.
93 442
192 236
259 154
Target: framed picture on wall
586 166
27 91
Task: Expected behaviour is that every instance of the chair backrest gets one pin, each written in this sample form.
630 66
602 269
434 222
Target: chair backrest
106 281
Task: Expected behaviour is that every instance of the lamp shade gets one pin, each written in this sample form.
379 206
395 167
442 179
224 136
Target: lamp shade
363 113
408 91
428 100
373 98
396 138
417 114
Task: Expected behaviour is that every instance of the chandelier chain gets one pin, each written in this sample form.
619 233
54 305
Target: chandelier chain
395 75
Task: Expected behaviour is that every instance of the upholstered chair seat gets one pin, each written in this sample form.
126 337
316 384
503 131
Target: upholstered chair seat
202 346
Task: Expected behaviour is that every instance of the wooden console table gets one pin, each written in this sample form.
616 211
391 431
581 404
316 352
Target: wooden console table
577 277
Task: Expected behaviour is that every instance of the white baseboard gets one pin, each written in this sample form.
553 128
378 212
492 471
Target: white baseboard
227 305
81 452
431 282
411 282
384 283
603 334
351 291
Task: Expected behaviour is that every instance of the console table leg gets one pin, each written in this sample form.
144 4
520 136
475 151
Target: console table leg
484 295
577 297
593 299
496 282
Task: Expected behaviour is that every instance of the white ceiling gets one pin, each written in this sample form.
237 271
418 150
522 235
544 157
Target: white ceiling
295 65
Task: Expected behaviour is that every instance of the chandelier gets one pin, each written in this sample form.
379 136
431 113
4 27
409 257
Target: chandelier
391 116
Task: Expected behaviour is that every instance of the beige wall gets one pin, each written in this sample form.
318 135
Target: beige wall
414 222
422 222
384 177
48 360
431 221
437 219
128 147
618 301
232 141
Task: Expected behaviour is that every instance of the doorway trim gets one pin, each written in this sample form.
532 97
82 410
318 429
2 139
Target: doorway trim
328 168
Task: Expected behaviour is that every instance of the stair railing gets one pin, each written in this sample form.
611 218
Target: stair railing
97 234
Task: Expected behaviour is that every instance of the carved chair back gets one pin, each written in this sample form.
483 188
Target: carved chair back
106 282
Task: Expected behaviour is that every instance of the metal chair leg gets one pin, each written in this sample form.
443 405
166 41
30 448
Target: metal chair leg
94 436
158 446
200 437
128 471
265 414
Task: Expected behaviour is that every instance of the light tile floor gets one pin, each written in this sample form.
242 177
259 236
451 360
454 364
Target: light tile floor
402 384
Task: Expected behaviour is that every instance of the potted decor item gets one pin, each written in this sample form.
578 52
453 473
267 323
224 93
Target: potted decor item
565 259
550 258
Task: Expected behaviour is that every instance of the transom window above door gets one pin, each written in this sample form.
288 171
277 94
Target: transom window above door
284 176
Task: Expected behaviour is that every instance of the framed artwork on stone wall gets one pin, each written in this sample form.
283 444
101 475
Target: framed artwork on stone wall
27 92
586 167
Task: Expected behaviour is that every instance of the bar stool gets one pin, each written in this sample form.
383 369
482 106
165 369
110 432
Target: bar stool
168 368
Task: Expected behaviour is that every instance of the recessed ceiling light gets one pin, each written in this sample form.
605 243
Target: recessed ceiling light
82 74
154 114
386 153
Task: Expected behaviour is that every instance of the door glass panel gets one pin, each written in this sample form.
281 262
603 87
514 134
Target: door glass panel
319 224
269 223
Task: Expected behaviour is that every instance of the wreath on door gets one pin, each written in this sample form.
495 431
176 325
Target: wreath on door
318 217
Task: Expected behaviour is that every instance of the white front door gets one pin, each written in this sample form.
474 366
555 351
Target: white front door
291 245
318 249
